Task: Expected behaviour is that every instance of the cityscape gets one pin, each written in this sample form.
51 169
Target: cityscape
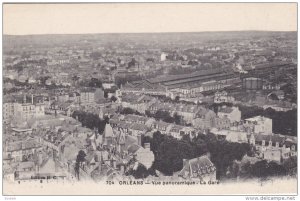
182 107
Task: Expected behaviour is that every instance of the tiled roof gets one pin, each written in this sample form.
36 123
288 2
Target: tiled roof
139 127
226 110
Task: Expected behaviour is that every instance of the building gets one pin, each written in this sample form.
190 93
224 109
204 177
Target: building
274 147
136 102
252 83
232 136
163 56
211 79
223 97
205 119
222 123
259 124
200 168
232 113
142 154
143 87
8 111
178 131
109 138
21 150
26 110
136 129
87 96
162 127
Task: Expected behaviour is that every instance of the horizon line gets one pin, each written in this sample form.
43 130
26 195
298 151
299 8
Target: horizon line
167 32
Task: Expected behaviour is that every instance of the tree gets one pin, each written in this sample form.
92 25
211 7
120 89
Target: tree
164 116
127 110
90 120
105 94
113 99
177 119
140 173
79 160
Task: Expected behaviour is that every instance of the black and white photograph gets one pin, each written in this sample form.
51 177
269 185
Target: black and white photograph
149 99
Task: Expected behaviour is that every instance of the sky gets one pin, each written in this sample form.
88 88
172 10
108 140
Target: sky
28 19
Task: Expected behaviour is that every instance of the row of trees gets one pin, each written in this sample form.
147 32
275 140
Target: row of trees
93 82
165 116
284 123
170 152
90 120
127 110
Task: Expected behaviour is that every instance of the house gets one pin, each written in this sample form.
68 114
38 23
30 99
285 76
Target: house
178 131
273 155
137 128
232 136
276 95
137 102
108 136
142 154
26 111
162 127
222 123
232 113
21 150
259 124
200 168
274 147
27 166
131 119
205 119
87 95
223 97
119 125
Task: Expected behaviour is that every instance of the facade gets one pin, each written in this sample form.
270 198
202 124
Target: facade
274 147
222 123
20 151
87 96
212 79
232 113
142 154
23 110
232 136
223 97
259 124
200 168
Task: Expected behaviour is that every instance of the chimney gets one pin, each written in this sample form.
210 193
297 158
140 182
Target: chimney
185 161
139 137
113 163
208 155
147 146
23 145
122 169
32 99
